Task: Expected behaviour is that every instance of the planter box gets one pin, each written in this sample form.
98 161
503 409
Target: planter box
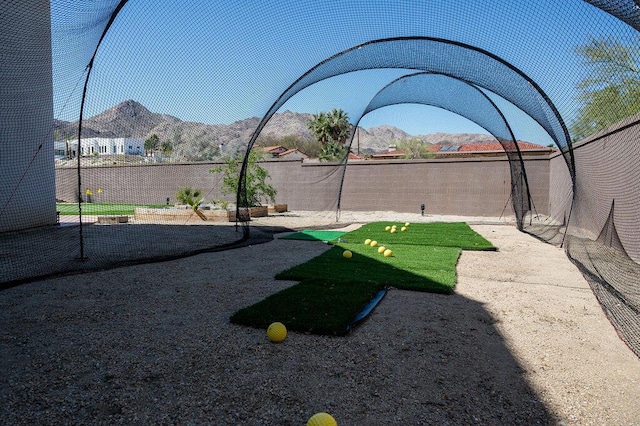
110 220
181 215
277 208
247 214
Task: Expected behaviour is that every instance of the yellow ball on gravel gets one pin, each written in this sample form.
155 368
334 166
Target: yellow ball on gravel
367 242
347 254
381 249
388 253
373 243
386 228
404 228
277 332
322 419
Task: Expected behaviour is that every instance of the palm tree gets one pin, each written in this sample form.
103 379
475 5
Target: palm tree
331 126
339 126
319 127
189 196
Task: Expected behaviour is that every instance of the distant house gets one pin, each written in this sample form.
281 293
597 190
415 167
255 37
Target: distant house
489 149
99 146
391 154
280 152
477 149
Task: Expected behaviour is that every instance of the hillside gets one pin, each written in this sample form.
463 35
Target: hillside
197 141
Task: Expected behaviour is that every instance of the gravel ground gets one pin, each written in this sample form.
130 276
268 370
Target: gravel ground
522 341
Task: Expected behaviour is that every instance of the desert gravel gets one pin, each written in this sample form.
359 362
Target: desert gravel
522 341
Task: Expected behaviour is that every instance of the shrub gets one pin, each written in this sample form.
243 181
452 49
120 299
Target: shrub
190 197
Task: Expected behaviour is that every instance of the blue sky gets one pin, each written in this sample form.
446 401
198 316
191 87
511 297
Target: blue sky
218 62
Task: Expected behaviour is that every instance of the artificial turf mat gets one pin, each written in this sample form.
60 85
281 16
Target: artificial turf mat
440 234
334 289
314 235
314 305
429 269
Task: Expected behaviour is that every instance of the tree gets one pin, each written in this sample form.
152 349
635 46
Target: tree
414 148
611 90
166 147
339 127
332 151
332 130
256 176
152 143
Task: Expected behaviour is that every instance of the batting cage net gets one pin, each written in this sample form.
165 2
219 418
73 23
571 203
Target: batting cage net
197 126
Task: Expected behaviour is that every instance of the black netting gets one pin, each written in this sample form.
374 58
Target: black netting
467 100
112 105
458 60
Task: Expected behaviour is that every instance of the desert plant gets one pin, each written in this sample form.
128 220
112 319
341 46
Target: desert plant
190 197
255 179
222 203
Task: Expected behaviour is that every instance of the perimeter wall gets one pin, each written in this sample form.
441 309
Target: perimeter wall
468 187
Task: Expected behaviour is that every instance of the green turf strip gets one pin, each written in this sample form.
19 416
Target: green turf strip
456 234
411 267
314 235
314 305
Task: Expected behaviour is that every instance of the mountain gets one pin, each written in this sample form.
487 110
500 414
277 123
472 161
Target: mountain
197 141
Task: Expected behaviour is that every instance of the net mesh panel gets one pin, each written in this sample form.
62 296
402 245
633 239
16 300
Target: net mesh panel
191 74
444 57
469 101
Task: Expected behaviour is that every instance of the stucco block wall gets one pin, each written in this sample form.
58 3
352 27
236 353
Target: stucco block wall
26 103
149 184
471 187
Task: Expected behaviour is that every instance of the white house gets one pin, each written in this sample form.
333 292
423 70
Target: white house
99 146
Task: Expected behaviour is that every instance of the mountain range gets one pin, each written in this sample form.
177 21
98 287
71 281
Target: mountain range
194 141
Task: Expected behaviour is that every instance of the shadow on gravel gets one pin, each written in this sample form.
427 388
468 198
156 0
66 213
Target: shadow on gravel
44 252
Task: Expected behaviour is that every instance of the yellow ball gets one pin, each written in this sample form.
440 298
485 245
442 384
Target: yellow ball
407 224
367 242
394 230
347 254
373 243
388 253
277 332
404 228
381 249
386 228
322 419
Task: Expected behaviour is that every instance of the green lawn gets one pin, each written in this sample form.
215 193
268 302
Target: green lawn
334 289
102 208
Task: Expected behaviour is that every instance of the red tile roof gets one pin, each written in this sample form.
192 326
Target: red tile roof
273 148
496 146
390 154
